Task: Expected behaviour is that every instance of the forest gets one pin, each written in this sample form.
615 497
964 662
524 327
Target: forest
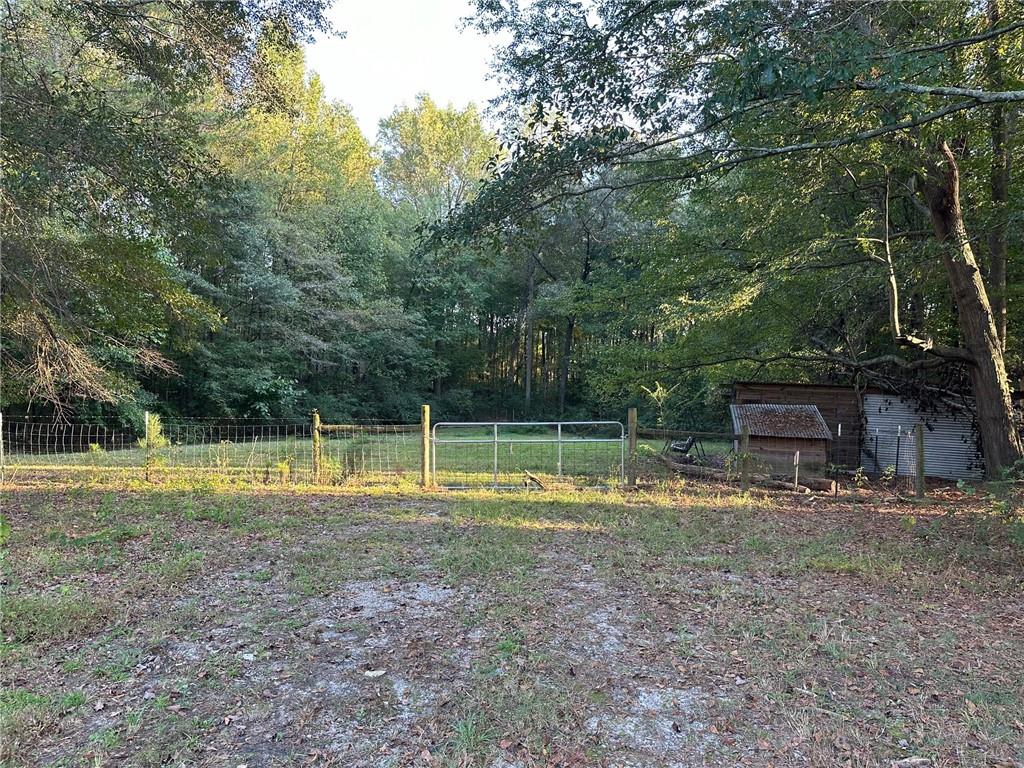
667 197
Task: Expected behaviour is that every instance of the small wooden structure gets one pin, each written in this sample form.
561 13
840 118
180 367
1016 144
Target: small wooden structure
839 405
777 432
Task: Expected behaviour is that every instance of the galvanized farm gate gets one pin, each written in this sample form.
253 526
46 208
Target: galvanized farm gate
495 454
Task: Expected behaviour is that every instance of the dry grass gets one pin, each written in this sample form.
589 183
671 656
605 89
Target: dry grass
691 626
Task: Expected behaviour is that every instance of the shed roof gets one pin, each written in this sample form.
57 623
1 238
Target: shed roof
766 420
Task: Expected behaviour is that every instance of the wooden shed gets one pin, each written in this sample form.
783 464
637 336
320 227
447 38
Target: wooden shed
840 406
777 432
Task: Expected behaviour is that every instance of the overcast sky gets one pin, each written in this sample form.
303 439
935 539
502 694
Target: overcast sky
395 49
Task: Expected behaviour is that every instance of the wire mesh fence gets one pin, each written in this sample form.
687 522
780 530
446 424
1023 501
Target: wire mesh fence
528 454
33 444
665 453
368 451
886 461
889 458
459 454
278 451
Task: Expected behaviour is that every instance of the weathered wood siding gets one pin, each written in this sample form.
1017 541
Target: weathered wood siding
838 405
778 452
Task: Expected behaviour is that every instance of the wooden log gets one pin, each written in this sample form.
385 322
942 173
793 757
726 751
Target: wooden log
783 485
762 481
696 470
820 484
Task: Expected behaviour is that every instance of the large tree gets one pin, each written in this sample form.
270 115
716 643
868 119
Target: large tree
678 94
106 175
302 278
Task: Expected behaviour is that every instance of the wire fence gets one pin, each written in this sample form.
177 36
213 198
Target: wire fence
800 465
452 455
280 451
889 458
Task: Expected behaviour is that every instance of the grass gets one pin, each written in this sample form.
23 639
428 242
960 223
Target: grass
52 618
689 624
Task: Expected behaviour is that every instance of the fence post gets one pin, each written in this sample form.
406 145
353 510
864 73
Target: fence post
631 434
495 454
149 443
316 446
560 449
796 471
744 458
2 464
919 435
425 446
896 474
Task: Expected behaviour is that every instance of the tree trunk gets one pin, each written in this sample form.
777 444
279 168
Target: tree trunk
528 341
437 379
1000 441
563 367
1000 186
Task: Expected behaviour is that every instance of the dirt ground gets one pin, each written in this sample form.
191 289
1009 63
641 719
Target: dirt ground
684 627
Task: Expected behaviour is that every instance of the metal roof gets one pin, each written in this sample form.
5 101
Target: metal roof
767 420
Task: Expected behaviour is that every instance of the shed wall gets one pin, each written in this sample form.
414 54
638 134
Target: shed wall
950 439
778 452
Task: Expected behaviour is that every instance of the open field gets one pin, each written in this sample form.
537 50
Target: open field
698 627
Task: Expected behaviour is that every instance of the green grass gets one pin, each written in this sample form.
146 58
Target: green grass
53 617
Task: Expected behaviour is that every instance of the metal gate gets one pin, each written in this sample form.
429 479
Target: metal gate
469 454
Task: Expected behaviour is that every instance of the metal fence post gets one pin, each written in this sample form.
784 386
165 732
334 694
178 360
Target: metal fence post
425 446
631 436
919 435
744 458
316 446
495 454
896 474
559 449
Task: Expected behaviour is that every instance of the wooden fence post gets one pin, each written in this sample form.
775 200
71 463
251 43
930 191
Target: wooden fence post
796 471
744 458
316 446
2 465
631 436
148 443
425 447
919 474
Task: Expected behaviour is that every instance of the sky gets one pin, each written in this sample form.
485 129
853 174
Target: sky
396 49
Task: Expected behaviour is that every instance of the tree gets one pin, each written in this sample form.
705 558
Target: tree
433 161
677 94
106 178
302 280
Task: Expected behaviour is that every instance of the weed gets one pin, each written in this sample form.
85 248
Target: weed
472 734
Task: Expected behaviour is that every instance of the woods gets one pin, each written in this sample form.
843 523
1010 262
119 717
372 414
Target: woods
663 192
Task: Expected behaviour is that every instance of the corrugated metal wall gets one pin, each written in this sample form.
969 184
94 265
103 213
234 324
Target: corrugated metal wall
950 439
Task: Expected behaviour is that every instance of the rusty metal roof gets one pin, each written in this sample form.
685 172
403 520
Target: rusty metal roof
766 420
